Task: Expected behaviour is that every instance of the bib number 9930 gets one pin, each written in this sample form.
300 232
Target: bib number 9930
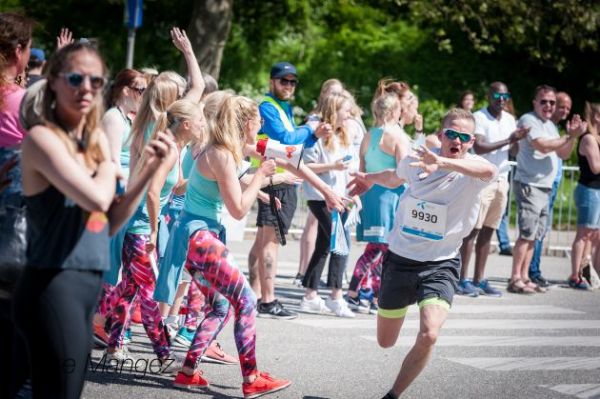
424 219
424 216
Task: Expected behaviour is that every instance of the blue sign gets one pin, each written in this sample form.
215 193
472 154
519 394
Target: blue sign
133 14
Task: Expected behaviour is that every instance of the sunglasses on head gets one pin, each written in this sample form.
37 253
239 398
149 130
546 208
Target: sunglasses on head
288 82
139 90
75 79
551 102
452 134
503 96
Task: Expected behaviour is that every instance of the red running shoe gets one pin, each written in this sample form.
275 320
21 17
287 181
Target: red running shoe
136 316
194 381
215 354
263 385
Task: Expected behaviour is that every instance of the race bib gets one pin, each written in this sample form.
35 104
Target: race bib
424 219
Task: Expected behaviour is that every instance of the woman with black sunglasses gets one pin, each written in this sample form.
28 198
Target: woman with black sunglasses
69 187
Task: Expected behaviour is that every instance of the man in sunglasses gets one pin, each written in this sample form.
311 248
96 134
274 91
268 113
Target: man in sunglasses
537 167
495 131
278 124
439 208
561 113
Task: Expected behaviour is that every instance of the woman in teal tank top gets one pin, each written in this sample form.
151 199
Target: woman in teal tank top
382 148
194 241
183 119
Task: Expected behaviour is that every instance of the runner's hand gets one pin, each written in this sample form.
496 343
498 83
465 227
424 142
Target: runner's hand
334 201
426 160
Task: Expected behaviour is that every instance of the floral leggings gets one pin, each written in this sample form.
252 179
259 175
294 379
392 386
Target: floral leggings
226 291
138 279
369 263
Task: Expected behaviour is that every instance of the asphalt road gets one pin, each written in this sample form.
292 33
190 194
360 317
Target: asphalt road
541 346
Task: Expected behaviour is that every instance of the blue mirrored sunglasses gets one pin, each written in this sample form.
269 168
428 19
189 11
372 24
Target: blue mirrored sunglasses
452 134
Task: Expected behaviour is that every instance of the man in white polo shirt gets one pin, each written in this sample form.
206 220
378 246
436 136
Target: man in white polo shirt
495 131
436 212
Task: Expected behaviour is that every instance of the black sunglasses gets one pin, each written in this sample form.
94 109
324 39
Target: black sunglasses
75 79
544 102
288 82
452 134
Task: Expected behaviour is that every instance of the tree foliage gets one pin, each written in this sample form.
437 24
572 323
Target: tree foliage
537 28
440 47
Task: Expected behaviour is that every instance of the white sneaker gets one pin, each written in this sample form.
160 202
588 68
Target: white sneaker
315 305
172 329
339 307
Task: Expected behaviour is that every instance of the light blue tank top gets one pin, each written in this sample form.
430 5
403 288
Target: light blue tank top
188 162
140 222
203 197
124 156
375 159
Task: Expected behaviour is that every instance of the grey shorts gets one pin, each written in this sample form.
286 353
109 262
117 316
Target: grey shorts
532 210
405 281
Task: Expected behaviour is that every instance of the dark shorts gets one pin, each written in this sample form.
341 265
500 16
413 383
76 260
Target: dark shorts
405 281
288 196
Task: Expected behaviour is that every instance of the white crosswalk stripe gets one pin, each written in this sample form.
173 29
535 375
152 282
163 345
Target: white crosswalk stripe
461 324
582 391
504 341
528 363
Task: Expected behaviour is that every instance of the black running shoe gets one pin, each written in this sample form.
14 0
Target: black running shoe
275 310
541 281
353 303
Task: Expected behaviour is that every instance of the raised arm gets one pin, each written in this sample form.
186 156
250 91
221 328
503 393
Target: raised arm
430 162
196 83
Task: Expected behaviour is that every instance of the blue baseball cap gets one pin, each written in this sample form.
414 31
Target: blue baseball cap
38 54
282 69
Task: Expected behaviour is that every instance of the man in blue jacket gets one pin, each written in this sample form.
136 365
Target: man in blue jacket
278 124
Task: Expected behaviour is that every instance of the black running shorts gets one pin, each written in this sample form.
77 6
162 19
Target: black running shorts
289 199
405 281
